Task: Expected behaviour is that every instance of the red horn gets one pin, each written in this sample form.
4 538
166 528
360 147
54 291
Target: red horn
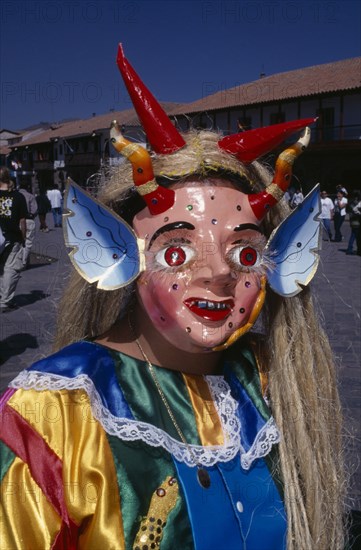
252 144
157 198
162 134
263 201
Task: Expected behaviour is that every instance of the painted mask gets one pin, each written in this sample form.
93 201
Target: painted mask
204 261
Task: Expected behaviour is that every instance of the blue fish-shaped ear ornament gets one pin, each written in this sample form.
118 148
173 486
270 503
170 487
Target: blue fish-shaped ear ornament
104 247
293 247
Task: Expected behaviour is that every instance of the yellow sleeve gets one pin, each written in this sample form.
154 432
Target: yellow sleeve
61 487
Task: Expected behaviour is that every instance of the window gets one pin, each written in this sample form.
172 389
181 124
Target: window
244 123
326 124
277 118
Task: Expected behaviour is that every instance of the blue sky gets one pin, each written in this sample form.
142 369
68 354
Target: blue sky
58 57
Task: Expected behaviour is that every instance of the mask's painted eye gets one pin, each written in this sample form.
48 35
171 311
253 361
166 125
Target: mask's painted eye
248 256
174 256
245 256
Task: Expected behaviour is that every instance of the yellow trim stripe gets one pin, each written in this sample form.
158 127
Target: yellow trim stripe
207 420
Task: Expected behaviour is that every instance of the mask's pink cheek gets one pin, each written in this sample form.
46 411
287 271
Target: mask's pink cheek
247 292
162 299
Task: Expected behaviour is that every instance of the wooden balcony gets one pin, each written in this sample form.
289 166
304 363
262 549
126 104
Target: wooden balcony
43 165
82 159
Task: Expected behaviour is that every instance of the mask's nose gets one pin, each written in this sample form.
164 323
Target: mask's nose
213 272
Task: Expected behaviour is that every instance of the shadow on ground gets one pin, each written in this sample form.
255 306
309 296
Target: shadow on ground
15 345
29 298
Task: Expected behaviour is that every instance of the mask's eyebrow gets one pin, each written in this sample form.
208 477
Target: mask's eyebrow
170 227
243 226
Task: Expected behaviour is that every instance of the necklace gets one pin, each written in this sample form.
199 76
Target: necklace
203 477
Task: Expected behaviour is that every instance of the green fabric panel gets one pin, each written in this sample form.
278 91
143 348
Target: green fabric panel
145 402
6 459
140 470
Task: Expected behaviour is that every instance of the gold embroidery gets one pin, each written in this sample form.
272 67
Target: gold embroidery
288 156
147 188
151 528
275 191
129 149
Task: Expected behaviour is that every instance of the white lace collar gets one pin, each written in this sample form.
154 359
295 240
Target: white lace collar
132 430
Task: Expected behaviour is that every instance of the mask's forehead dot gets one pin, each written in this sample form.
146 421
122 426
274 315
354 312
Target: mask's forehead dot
214 221
247 284
166 219
239 207
189 207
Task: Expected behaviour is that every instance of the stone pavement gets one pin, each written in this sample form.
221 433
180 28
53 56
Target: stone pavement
26 333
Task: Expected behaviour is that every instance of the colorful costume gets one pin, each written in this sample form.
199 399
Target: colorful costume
103 450
113 467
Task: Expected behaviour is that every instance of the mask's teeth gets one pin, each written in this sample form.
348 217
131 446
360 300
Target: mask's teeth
204 304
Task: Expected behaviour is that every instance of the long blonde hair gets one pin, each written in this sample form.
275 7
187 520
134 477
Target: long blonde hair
294 354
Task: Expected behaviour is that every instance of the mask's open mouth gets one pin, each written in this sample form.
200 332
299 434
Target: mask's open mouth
209 309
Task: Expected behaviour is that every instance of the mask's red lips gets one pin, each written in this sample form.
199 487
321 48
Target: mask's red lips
209 309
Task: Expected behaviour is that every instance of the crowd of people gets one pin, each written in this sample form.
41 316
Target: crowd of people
335 211
18 212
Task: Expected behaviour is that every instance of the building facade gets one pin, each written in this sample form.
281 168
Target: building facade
330 92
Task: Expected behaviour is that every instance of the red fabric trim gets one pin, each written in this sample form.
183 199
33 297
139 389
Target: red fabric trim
67 538
45 466
5 397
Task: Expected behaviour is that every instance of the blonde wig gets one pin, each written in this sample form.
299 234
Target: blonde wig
294 355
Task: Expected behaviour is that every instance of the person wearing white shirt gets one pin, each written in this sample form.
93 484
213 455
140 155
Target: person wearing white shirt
297 198
339 215
327 210
55 199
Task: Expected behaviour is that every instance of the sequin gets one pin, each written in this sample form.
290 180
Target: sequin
115 256
230 325
247 284
74 200
166 219
88 233
299 245
188 329
239 208
189 207
175 286
214 221
151 528
203 478
242 310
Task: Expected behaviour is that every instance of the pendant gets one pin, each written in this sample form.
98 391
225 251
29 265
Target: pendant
203 478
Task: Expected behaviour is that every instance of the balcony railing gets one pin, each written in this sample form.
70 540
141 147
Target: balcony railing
82 159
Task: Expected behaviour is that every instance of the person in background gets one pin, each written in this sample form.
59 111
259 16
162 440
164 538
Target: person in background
55 199
13 214
327 210
342 189
339 214
354 209
44 206
30 221
297 198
